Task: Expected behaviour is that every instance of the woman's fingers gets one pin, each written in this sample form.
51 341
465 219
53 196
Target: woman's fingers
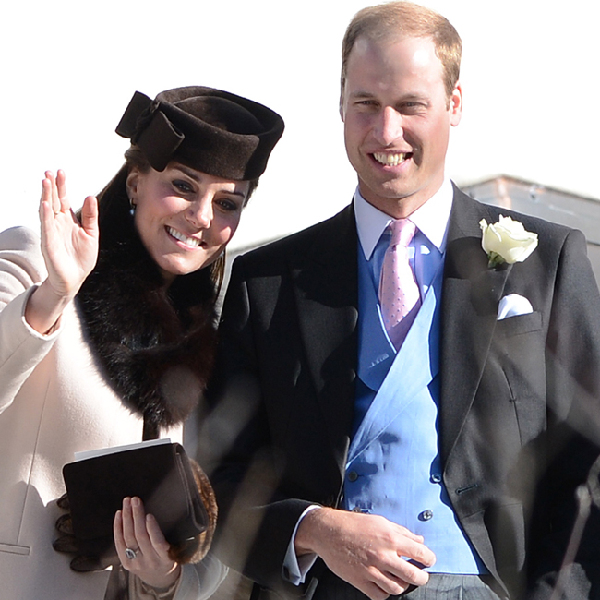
47 190
54 195
61 191
120 543
139 525
48 212
126 543
156 537
46 206
136 535
54 201
47 200
54 191
130 535
89 215
141 546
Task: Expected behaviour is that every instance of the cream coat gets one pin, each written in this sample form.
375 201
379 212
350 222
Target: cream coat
53 403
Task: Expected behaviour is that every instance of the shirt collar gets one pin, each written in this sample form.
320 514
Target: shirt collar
431 219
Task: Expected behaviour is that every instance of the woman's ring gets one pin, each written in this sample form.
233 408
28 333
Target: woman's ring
130 553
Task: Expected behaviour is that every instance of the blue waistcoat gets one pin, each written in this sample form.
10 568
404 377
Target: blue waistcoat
393 465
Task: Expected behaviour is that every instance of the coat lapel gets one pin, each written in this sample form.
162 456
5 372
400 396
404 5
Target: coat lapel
470 297
326 290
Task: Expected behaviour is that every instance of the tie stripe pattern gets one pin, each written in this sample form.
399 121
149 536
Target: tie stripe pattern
399 296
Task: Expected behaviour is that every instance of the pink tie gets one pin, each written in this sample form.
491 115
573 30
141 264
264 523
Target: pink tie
398 291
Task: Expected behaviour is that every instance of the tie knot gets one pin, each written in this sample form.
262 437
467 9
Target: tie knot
403 231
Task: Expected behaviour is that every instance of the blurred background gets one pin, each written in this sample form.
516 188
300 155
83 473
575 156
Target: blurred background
529 80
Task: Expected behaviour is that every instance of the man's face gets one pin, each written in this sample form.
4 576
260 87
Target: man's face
397 118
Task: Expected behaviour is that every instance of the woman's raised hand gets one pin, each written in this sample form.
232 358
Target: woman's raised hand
69 248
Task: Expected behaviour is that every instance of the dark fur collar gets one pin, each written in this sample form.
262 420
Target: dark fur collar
154 346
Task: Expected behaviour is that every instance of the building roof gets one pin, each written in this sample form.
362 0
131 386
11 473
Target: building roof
535 199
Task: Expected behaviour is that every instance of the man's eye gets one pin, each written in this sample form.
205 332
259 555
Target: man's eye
412 108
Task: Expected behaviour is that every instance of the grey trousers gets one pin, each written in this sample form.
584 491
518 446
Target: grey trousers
441 586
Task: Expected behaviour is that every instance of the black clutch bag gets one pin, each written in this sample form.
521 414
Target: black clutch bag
160 475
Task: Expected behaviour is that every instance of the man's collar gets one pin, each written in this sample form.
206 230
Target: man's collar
431 219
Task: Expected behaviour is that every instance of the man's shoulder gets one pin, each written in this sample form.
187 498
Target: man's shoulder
491 213
314 239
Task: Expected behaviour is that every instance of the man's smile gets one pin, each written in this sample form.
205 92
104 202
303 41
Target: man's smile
391 159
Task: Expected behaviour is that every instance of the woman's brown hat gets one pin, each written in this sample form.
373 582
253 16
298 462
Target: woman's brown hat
212 131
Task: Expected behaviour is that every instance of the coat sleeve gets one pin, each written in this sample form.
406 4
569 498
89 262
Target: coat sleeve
21 347
573 434
197 582
256 521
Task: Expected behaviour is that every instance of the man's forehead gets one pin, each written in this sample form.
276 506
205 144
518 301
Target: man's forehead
366 44
383 60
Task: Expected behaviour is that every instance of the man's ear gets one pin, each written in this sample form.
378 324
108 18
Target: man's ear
343 101
456 105
131 183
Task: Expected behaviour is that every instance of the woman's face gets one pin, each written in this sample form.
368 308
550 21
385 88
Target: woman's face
184 217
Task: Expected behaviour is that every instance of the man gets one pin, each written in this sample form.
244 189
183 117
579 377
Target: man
434 453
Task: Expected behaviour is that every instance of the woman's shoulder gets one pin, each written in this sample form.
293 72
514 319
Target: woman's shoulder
20 247
19 238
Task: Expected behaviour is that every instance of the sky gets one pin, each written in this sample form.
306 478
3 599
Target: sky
529 80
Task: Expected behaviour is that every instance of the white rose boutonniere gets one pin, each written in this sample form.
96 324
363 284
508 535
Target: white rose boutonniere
506 241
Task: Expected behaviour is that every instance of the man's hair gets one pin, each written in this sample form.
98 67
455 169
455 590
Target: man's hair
405 19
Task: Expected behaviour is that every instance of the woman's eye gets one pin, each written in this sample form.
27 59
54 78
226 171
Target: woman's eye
227 204
182 186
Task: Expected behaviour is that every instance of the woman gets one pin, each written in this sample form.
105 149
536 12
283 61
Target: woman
106 331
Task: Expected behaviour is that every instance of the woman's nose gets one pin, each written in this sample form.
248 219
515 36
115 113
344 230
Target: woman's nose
199 213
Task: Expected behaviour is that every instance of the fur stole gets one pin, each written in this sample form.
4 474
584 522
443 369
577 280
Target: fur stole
154 345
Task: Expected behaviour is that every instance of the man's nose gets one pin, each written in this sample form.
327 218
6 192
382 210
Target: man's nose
389 126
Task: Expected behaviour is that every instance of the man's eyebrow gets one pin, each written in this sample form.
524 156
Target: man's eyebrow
415 96
361 94
408 97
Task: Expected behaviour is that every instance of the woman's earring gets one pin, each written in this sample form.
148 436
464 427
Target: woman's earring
132 207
